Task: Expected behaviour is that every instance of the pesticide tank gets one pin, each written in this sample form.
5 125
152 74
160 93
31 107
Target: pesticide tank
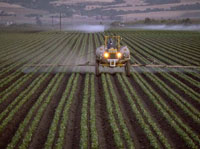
125 51
100 51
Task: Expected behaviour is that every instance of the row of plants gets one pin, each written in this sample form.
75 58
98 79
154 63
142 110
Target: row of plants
120 117
73 49
174 49
92 120
174 44
19 101
152 52
84 138
16 38
146 114
20 61
171 52
176 38
40 111
136 53
13 48
55 123
144 43
170 116
188 43
56 55
112 120
65 115
187 78
187 90
83 52
186 107
14 87
46 57
27 49
133 100
33 112
144 52
91 49
37 56
9 78
52 54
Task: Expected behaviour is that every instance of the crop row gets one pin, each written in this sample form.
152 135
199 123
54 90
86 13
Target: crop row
186 134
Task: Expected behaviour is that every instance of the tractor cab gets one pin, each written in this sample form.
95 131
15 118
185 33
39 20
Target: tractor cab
112 42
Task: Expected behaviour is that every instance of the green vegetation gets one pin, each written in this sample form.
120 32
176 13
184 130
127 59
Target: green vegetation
153 108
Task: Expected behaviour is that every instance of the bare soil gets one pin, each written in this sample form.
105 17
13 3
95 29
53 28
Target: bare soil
106 138
17 92
179 91
12 126
172 135
65 54
140 135
11 82
72 137
42 131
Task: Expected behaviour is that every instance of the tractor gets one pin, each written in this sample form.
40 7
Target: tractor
112 55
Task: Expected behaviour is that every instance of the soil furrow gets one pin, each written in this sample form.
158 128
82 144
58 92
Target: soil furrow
116 118
11 82
178 111
179 91
35 112
16 93
186 82
139 137
41 133
169 132
106 138
88 116
120 98
72 136
59 122
192 76
13 125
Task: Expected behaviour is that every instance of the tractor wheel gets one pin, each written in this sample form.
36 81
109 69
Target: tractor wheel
127 68
97 69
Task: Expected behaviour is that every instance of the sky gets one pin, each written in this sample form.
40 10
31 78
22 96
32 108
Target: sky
25 11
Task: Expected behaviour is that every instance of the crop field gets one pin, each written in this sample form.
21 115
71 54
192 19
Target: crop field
45 104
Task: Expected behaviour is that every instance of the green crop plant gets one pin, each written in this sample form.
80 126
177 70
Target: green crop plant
63 123
167 112
19 101
154 126
54 124
94 135
28 117
112 120
84 126
40 111
119 114
139 117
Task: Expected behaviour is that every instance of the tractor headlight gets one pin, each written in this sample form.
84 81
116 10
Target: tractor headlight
106 54
119 55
